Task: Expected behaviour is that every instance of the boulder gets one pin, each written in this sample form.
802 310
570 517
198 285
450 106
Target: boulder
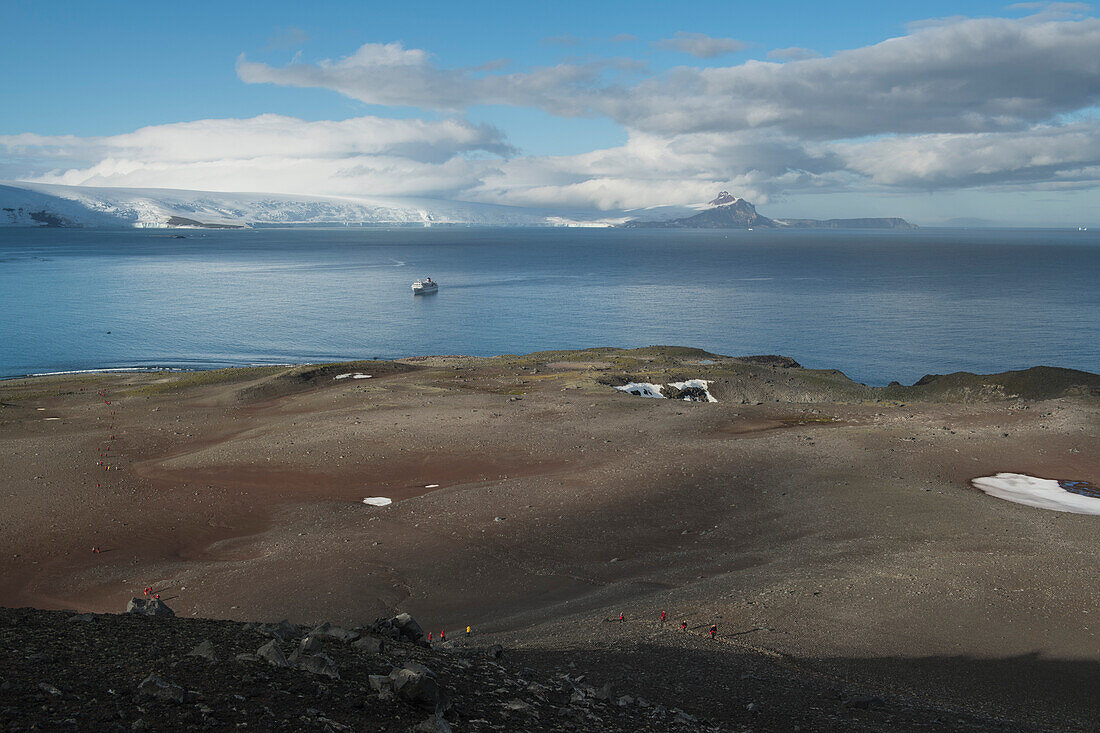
418 689
369 644
310 645
419 669
148 607
204 650
379 682
319 664
408 627
496 651
160 689
284 630
273 654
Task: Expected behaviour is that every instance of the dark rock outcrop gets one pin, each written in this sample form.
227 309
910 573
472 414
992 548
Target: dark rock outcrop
148 607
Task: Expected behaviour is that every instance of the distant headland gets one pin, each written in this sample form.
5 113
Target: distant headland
726 211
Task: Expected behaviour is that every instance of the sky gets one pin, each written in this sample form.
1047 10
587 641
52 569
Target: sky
934 111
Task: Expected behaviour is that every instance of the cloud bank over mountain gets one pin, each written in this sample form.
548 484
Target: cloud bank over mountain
959 103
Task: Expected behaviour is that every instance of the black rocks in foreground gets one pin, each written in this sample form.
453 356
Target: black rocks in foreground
132 672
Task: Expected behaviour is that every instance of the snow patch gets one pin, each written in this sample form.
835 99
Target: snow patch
378 501
642 389
703 384
1039 492
648 389
353 376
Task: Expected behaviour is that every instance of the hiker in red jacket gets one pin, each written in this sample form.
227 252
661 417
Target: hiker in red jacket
683 626
662 617
621 617
713 630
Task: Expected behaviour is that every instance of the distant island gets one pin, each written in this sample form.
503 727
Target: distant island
729 212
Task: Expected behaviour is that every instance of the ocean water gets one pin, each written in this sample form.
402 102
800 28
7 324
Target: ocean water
878 305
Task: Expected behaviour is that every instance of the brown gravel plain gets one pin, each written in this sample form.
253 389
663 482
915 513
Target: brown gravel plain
827 528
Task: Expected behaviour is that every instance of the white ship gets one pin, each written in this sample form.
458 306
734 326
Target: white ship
425 286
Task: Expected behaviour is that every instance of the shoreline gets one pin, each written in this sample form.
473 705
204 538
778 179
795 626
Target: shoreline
190 367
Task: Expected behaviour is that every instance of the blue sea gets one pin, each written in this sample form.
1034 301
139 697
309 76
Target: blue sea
878 305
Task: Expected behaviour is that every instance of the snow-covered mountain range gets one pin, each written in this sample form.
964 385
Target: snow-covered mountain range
45 204
28 204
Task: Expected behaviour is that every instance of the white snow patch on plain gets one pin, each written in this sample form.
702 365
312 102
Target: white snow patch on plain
643 389
378 501
648 389
353 376
703 384
431 486
1038 492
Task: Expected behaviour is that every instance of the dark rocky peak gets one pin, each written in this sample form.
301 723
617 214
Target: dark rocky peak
723 197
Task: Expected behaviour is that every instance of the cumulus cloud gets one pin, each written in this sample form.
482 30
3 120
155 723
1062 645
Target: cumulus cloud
700 45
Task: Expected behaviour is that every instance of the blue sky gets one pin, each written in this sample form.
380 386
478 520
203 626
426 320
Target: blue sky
99 70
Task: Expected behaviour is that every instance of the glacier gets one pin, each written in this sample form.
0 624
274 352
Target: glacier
43 204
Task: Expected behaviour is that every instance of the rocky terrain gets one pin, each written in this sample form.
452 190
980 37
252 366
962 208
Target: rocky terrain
151 671
826 529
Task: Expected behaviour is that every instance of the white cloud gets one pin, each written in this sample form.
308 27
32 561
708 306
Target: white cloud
1064 153
1053 10
968 75
700 45
274 153
390 74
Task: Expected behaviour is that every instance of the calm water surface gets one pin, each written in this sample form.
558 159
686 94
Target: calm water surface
877 305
